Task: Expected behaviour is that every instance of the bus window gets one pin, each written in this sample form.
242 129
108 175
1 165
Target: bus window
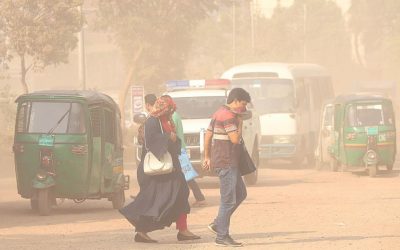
269 95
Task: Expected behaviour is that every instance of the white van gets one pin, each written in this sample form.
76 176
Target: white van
288 98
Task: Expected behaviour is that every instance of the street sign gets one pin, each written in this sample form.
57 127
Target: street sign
137 97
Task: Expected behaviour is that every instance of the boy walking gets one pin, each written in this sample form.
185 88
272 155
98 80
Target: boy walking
225 130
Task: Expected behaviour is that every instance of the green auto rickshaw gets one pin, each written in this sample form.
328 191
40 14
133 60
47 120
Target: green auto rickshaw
364 133
68 144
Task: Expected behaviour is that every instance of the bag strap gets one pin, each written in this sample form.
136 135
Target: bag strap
212 129
144 129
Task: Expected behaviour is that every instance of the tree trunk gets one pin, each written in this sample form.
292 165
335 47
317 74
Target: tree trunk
357 48
23 74
127 83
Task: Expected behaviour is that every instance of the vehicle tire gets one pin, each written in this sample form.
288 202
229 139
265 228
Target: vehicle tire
44 201
300 155
311 160
389 167
251 179
34 205
372 170
297 160
118 199
318 164
334 164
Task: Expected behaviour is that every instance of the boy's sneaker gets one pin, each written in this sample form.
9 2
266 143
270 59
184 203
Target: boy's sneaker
212 227
228 242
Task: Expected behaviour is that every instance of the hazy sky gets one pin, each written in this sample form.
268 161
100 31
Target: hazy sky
267 6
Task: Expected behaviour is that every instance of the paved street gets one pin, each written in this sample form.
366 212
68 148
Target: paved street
289 208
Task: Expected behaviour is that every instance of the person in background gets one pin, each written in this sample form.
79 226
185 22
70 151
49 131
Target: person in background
149 101
198 195
162 199
225 130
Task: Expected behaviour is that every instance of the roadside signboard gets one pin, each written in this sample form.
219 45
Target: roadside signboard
137 97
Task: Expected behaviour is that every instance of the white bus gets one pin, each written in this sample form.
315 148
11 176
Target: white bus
288 98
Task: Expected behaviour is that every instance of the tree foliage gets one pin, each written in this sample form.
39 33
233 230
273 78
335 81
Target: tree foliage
282 37
153 35
375 26
308 31
39 32
160 29
221 41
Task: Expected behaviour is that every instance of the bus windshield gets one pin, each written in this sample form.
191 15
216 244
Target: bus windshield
198 107
269 95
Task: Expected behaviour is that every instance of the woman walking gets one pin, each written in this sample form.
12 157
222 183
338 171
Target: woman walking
162 199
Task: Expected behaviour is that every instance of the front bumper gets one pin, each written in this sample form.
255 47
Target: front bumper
276 151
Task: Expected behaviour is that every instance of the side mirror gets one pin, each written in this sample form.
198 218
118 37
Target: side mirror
246 115
139 118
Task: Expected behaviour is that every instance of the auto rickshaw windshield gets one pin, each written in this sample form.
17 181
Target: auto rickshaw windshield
51 117
369 115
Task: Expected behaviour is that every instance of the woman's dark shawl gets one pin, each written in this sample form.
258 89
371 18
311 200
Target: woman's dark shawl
162 198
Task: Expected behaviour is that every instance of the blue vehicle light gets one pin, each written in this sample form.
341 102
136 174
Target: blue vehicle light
177 84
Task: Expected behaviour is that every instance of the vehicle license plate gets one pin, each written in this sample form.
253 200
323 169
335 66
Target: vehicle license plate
46 140
372 130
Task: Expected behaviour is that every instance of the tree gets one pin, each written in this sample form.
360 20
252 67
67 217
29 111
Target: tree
222 40
375 26
39 32
153 35
279 38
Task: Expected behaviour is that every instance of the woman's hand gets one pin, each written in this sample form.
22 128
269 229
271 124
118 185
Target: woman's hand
206 164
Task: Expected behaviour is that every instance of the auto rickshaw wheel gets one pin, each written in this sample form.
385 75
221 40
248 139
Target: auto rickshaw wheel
372 170
34 204
311 160
318 164
118 199
389 167
334 164
44 201
343 167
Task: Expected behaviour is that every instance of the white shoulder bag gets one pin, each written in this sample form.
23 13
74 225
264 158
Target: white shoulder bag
153 166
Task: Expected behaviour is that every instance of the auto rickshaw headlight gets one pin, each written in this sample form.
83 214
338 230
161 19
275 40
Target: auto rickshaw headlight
41 176
371 155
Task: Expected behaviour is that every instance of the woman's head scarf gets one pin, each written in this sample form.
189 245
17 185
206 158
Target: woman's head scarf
163 109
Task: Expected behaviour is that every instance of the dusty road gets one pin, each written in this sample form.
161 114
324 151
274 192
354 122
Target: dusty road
288 209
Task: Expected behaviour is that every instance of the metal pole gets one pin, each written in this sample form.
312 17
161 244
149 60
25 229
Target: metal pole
304 32
252 25
81 54
234 32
